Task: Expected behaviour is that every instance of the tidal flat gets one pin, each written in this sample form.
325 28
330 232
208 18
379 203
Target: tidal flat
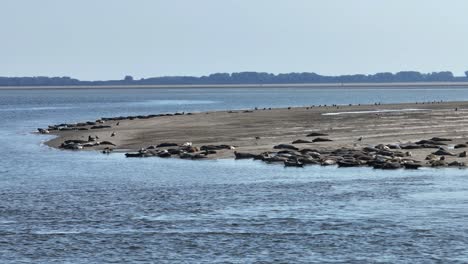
385 136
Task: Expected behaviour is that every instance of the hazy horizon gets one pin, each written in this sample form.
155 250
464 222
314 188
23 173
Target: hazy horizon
104 40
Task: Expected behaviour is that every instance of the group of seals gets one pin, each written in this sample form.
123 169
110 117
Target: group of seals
381 156
98 124
386 157
183 151
77 144
342 157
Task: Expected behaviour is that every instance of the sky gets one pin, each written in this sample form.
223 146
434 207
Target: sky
108 39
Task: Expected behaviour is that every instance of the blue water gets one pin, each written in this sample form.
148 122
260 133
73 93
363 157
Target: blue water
84 207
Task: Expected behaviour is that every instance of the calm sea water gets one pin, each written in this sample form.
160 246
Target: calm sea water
82 207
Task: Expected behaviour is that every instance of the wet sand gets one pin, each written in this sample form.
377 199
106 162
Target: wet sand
257 131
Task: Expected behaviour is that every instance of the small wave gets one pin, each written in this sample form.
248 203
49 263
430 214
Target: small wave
377 111
156 232
165 218
37 108
174 102
58 232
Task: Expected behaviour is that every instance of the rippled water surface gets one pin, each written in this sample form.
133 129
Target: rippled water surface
84 207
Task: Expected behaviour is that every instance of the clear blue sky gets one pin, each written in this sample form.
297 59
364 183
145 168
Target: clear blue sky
107 39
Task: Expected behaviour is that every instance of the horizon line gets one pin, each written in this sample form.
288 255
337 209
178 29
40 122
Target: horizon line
237 72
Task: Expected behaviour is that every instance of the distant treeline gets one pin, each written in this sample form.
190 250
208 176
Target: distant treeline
244 78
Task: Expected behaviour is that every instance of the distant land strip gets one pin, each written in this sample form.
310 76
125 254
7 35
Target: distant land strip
249 79
226 86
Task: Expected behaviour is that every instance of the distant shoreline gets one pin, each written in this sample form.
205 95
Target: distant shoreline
293 85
